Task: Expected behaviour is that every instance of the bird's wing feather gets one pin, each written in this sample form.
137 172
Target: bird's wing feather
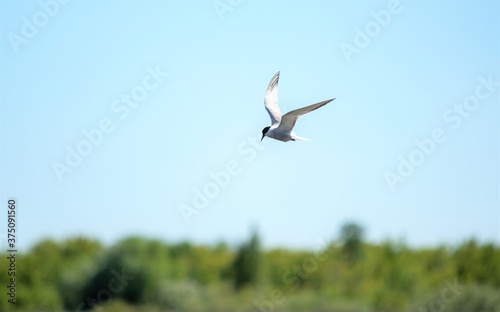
288 120
271 100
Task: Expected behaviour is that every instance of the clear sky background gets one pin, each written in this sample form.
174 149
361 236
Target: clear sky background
401 85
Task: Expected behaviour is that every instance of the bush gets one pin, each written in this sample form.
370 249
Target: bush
180 296
477 299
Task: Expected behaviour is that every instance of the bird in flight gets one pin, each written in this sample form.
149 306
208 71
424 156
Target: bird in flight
282 125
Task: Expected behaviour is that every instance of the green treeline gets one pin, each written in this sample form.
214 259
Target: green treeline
346 275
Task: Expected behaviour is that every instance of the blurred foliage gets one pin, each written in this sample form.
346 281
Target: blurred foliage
345 275
246 264
351 236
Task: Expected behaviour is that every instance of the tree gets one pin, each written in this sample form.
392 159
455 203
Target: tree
246 265
351 236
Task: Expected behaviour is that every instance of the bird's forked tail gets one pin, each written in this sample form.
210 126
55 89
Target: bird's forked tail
295 138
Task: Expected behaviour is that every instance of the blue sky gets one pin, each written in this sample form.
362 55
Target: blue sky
176 90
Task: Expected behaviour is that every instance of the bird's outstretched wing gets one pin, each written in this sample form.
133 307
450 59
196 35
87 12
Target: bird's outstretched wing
271 100
288 120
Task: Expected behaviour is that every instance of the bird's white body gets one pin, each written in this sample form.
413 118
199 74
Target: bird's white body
282 125
284 136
